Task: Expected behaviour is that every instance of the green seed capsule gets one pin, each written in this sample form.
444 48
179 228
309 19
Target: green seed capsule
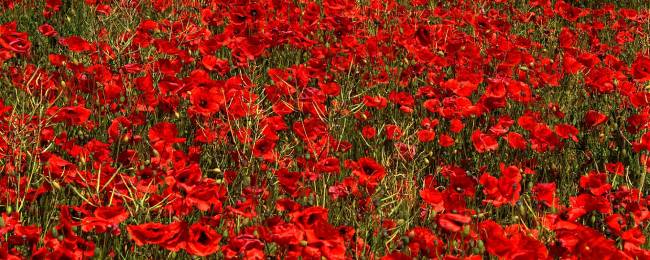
466 230
515 218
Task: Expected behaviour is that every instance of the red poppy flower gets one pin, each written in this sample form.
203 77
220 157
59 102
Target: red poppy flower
393 132
641 68
616 168
244 246
368 132
13 40
105 219
567 131
423 242
76 44
426 135
484 142
453 222
455 125
202 240
594 118
369 172
264 148
433 198
47 30
164 132
505 189
545 193
596 183
169 236
206 196
328 165
76 115
446 140
206 101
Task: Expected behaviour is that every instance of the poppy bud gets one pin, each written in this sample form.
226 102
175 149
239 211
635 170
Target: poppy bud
56 184
9 209
466 230
522 210
480 245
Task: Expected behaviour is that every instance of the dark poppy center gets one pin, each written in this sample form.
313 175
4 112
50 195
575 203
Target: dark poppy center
368 170
241 18
312 219
203 103
203 238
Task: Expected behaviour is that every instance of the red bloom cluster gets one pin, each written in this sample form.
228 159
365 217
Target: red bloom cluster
332 129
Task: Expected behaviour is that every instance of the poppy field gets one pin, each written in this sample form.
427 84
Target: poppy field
329 129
